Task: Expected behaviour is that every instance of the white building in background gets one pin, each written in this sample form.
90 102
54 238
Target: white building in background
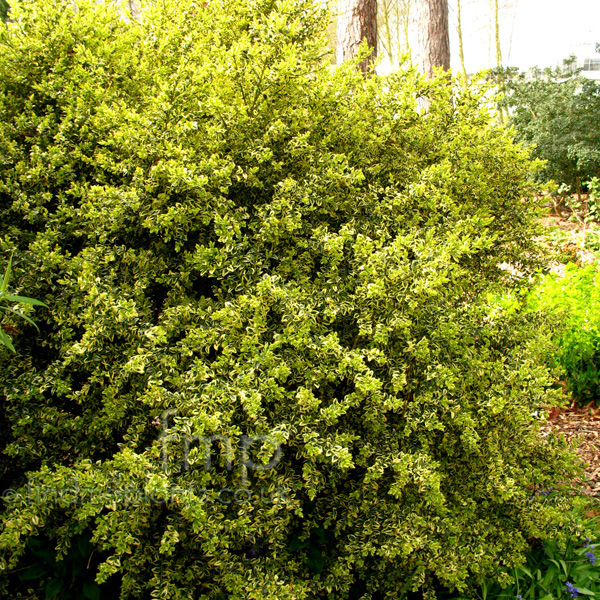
588 58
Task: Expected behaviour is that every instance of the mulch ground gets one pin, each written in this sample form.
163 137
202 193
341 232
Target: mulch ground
581 424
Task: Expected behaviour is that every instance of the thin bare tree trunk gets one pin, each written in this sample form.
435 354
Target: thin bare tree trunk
496 10
357 21
433 38
134 8
393 22
461 48
406 17
496 16
387 41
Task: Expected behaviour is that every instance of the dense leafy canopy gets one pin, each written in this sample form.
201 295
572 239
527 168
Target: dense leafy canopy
227 229
557 113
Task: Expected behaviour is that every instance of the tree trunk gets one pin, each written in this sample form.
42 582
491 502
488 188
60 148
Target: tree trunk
393 23
496 16
357 21
433 38
406 23
461 47
134 8
387 42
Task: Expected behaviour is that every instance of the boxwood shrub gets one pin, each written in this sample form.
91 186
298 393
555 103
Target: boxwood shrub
253 258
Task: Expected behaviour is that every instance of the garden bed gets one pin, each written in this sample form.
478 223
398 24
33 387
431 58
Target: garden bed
577 423
583 425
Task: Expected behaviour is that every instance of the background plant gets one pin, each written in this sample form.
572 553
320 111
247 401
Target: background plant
6 301
554 111
574 300
593 186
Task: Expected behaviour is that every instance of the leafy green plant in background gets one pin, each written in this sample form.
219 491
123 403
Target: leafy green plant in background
556 112
7 298
592 242
593 186
230 230
592 239
563 245
574 302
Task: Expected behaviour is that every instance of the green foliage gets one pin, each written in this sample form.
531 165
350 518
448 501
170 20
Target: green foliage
592 242
7 298
4 8
593 186
557 114
228 230
574 300
562 244
69 578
